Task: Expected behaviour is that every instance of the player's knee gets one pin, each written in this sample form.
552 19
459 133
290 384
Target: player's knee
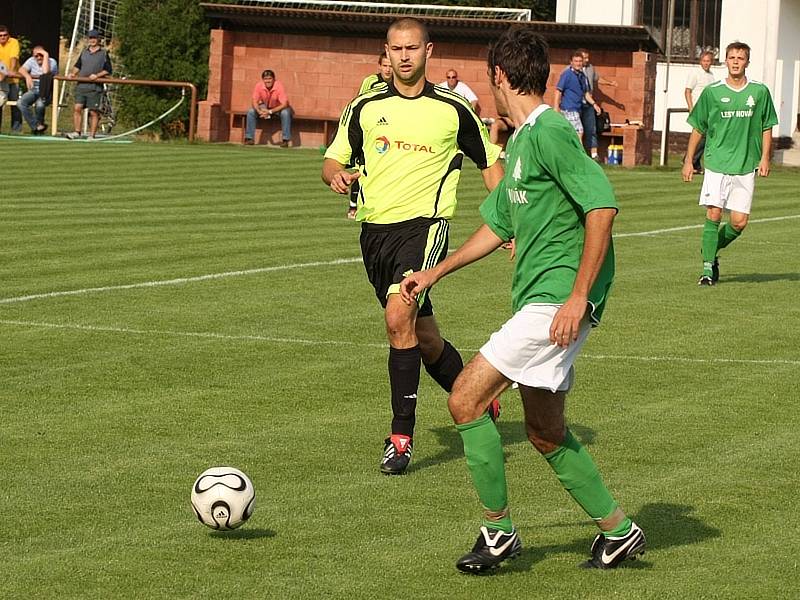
739 221
545 440
461 410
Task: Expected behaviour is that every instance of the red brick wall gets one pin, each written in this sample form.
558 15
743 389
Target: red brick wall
322 73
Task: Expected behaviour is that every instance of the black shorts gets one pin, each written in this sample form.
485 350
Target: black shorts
394 250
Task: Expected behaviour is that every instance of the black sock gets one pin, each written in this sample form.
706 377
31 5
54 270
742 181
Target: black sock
446 368
404 379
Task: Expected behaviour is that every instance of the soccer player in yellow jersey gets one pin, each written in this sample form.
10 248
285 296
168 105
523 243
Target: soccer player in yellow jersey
370 81
410 139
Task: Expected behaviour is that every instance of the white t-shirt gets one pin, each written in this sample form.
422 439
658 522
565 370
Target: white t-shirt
463 89
698 79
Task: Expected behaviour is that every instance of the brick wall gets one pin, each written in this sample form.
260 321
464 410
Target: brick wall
322 73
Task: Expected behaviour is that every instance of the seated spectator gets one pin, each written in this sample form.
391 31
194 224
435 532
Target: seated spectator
33 102
269 97
9 84
462 89
93 63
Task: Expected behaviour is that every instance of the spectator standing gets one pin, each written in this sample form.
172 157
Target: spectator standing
453 84
93 63
572 91
696 82
588 112
33 102
9 84
269 98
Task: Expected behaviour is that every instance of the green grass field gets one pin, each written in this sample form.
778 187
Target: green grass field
166 308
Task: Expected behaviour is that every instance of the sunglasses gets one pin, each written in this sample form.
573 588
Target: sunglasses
39 55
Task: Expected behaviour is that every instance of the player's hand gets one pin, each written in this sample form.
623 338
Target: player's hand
597 108
340 183
414 284
511 245
688 170
763 167
567 323
92 76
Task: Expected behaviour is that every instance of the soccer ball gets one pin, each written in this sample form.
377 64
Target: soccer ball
223 498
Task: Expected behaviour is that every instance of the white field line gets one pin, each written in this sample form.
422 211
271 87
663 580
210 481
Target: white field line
327 263
182 280
698 226
308 342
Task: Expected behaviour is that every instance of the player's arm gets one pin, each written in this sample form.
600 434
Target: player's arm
766 148
337 177
687 93
23 72
481 243
688 167
592 102
492 175
566 324
557 101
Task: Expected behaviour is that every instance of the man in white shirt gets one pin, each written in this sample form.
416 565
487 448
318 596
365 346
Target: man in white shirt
459 87
695 82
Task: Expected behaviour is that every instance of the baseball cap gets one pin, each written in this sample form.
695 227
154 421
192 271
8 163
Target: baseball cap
93 33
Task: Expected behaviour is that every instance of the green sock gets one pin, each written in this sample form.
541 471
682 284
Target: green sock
622 529
709 247
486 463
578 474
726 235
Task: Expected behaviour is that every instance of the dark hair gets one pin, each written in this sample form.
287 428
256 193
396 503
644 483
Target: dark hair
738 46
577 52
409 23
267 73
381 56
4 28
582 51
523 57
707 53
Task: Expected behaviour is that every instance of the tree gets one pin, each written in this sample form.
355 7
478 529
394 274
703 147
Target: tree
160 40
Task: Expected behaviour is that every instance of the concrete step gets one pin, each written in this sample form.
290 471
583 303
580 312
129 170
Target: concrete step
790 158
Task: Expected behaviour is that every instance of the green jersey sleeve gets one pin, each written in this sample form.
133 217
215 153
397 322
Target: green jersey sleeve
769 118
562 156
495 213
698 118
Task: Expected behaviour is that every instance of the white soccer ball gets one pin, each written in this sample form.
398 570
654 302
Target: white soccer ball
223 498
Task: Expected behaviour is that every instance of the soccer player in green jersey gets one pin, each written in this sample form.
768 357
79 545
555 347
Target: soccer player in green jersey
409 138
737 116
558 205
370 81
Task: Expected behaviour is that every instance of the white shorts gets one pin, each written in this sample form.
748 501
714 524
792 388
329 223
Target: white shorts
574 118
731 192
521 349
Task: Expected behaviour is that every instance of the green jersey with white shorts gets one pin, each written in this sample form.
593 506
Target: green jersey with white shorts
549 186
733 122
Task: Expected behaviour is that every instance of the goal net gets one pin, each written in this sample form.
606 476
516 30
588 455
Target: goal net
388 8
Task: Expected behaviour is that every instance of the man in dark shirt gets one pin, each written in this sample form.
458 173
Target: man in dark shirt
93 63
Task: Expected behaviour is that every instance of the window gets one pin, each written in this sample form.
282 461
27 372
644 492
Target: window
695 26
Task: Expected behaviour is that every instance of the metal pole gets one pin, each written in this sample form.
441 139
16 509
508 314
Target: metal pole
670 23
69 56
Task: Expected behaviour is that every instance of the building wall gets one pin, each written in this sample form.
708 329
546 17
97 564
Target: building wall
592 12
322 73
771 28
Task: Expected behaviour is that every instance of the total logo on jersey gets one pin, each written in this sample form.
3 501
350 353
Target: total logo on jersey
382 145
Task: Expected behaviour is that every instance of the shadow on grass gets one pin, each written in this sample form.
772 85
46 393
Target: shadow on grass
759 277
244 533
665 525
511 432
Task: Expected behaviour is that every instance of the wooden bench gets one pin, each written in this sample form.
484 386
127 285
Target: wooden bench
329 124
